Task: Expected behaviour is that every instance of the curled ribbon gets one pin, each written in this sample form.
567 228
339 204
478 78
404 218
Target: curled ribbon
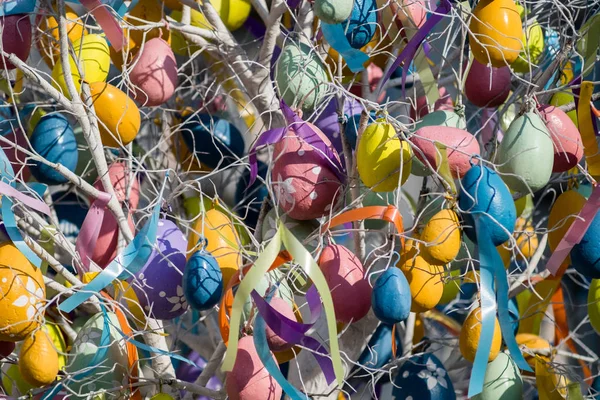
335 36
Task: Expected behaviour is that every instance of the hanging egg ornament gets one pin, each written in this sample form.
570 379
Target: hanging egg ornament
585 255
233 13
362 23
275 342
53 139
400 18
471 332
202 281
495 32
502 380
487 86
142 13
16 38
531 342
119 118
154 73
423 376
441 237
381 156
48 40
390 299
425 281
38 360
178 43
532 50
333 11
345 276
594 304
568 147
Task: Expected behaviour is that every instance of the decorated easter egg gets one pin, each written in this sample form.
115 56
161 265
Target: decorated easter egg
23 295
154 73
94 59
531 341
441 236
119 116
487 86
379 349
178 43
391 297
16 37
562 215
585 255
461 147
53 139
275 342
333 12
301 76
471 332
345 276
48 40
502 380
38 360
423 376
381 156
215 141
221 241
568 148
532 50
249 379
362 23
425 282
483 193
142 13
202 281
495 32
562 98
233 13
304 184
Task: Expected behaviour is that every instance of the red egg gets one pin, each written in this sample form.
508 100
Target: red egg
461 147
16 157
568 148
106 245
487 86
350 289
443 103
275 342
16 37
120 178
154 73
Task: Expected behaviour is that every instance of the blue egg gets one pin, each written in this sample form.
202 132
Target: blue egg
585 255
54 139
390 298
423 377
7 121
483 192
362 23
202 281
595 388
249 199
215 141
71 210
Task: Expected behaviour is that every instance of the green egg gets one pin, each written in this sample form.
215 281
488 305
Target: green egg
502 380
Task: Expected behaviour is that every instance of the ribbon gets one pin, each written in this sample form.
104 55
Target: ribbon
90 229
107 22
587 129
335 36
12 7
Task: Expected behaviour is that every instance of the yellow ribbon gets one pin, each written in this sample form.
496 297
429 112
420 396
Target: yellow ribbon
586 128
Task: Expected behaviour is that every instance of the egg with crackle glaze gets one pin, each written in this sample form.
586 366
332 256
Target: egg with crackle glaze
391 297
202 281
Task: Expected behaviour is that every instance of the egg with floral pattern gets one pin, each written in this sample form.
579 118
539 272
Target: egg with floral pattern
423 377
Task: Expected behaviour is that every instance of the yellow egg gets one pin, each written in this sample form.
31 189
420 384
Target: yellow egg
441 236
531 341
233 13
380 156
94 57
147 11
550 383
22 295
562 98
119 116
221 241
470 333
58 340
594 304
178 43
533 47
38 361
527 239
425 282
495 32
562 215
48 42
451 287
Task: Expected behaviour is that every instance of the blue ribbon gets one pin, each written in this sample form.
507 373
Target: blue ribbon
12 7
334 34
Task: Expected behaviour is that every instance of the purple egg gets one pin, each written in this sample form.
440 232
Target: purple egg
190 373
328 120
487 86
158 285
16 37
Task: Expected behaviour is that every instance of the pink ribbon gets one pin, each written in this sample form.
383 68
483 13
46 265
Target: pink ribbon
107 22
90 229
30 202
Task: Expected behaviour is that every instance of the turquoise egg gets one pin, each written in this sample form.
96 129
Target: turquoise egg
54 139
502 380
362 23
526 154
390 298
585 255
423 377
379 350
202 281
484 193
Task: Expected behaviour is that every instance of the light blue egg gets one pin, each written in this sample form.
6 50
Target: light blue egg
202 281
390 298
362 23
423 377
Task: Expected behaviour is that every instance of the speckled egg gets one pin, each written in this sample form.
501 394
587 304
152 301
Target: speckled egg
304 184
568 148
202 281
391 297
423 377
362 23
471 332
502 380
38 360
345 276
154 73
487 86
585 255
16 37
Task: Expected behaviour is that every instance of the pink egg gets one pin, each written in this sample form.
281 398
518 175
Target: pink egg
305 186
375 74
461 147
106 245
418 12
568 148
350 289
443 103
487 86
275 342
16 157
154 73
120 178
16 37
249 379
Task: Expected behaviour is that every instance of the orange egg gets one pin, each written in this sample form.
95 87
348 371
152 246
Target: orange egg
147 11
48 39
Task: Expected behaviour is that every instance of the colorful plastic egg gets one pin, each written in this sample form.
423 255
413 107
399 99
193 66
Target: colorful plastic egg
483 193
202 281
391 297
215 141
562 98
53 139
38 360
533 48
381 156
531 341
16 37
122 178
48 40
495 32
487 86
442 118
568 148
502 380
333 11
249 379
345 276
441 237
425 282
471 332
585 255
154 73
362 23
423 376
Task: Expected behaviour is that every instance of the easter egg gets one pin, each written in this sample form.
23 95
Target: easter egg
451 286
275 342
568 148
502 380
484 193
421 107
249 379
58 341
400 18
471 332
215 141
594 304
143 13
301 76
362 23
442 118
532 50
487 86
23 295
441 236
122 178
48 39
562 215
202 281
304 184
391 297
233 13
249 199
221 240
562 98
53 139
423 376
16 37
106 245
6 348
345 276
379 349
154 73
461 147
38 360
585 255
94 58
425 282
381 156
333 12
495 32
178 43
531 341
